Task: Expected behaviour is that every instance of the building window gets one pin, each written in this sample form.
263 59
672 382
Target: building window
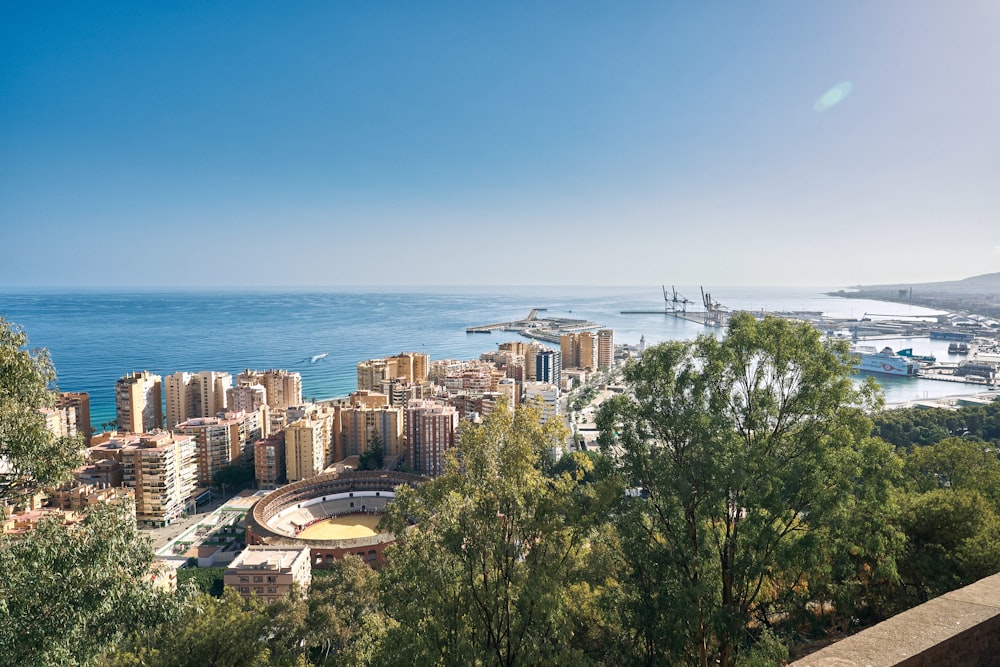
257 579
244 580
272 590
259 589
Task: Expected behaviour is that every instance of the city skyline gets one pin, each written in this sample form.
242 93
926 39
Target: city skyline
350 144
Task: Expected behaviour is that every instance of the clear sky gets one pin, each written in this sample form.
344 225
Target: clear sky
390 143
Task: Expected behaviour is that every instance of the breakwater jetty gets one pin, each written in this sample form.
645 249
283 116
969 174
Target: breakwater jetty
548 329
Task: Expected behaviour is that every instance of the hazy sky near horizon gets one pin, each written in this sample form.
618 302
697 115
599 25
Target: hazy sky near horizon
576 143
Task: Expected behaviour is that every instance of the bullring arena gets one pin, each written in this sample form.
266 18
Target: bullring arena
334 514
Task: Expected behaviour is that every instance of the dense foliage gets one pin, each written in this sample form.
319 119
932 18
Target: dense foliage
31 457
740 505
66 594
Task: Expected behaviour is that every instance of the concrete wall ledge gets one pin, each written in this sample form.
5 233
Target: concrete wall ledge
958 629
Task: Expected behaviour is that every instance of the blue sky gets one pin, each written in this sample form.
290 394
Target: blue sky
334 143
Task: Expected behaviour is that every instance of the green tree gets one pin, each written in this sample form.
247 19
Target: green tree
955 463
741 455
31 457
69 593
234 477
951 542
486 557
373 458
339 623
210 632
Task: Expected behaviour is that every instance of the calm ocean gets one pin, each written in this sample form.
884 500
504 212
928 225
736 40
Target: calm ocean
96 336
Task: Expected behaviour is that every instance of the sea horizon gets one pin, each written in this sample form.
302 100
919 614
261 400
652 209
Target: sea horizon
96 335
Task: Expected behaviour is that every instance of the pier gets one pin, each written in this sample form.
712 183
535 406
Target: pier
548 329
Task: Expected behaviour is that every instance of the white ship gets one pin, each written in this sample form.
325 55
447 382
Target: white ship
886 362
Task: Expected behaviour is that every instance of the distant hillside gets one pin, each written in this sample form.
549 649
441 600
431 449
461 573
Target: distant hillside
978 294
984 284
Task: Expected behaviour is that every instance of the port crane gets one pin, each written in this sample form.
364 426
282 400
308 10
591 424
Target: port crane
715 312
675 303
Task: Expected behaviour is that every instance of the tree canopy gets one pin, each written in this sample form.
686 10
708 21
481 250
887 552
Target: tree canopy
486 555
69 593
741 454
31 457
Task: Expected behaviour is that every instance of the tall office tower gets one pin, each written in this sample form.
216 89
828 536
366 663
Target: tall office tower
430 432
548 367
360 422
269 461
139 402
246 397
605 348
570 350
305 449
163 470
79 403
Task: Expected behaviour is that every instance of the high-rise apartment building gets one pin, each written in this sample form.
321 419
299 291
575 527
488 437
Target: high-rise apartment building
79 403
431 427
306 443
545 395
246 397
163 470
139 402
194 395
363 419
605 348
283 388
220 441
579 350
269 461
372 371
61 422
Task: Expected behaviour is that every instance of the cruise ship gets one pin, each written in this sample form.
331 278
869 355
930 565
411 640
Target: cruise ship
886 362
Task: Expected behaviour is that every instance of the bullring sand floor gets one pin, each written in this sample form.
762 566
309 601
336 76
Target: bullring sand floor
342 527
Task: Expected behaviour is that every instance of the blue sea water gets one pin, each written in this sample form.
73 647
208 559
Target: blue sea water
96 336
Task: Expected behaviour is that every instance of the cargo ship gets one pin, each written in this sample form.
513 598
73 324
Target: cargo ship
885 362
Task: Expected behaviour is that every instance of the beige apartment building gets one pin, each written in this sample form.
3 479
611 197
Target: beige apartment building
139 402
162 468
579 350
367 415
246 397
193 395
79 404
282 388
269 572
306 443
221 441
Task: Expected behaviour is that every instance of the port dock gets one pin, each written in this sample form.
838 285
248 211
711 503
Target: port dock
548 329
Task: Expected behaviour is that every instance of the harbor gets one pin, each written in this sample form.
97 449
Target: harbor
952 347
548 329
